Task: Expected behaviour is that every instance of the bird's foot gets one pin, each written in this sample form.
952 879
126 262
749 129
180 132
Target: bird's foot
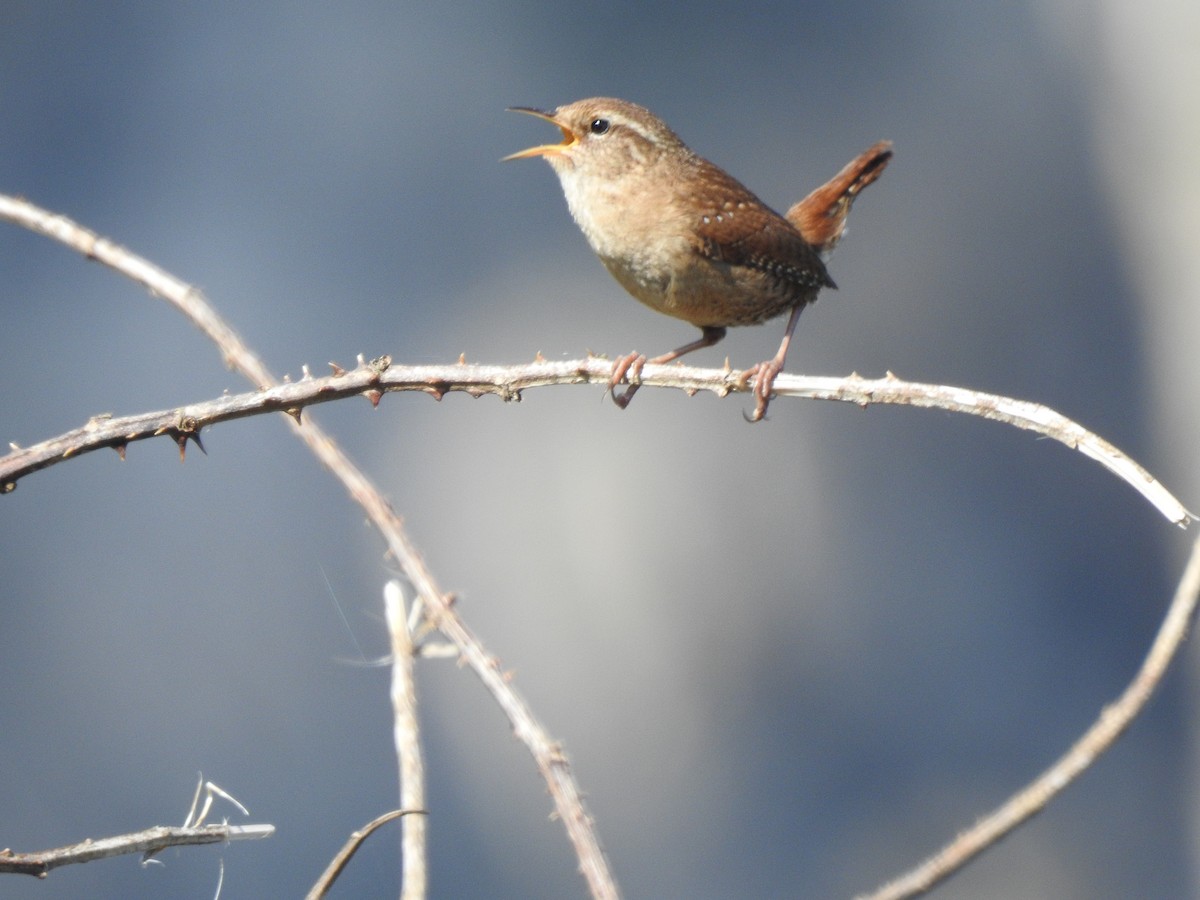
764 381
626 368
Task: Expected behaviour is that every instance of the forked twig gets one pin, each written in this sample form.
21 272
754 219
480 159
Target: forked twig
149 841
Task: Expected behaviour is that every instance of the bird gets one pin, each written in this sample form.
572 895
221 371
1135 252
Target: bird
687 239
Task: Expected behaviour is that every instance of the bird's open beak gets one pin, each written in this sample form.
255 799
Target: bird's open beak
570 138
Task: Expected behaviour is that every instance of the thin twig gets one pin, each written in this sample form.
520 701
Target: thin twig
406 727
380 375
152 840
1103 733
547 754
343 857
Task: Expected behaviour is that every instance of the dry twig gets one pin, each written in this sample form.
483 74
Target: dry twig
343 857
1103 733
152 840
406 727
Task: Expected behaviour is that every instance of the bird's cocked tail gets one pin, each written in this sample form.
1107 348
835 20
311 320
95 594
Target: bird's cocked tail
821 216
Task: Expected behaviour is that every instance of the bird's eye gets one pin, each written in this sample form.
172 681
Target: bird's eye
600 126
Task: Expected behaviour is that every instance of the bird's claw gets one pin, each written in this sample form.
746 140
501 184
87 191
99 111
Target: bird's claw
764 374
627 368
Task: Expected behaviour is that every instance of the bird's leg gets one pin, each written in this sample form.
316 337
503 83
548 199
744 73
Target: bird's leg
631 364
764 373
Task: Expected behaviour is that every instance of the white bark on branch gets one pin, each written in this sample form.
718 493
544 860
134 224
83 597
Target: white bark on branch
380 376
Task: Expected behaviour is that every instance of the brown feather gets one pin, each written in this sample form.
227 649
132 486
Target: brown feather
821 216
744 231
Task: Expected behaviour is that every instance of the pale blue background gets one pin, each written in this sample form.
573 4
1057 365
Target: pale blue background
786 660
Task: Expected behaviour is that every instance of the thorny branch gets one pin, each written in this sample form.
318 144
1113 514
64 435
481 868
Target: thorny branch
379 376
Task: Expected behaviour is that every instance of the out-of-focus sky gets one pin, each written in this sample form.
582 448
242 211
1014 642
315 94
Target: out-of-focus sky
788 659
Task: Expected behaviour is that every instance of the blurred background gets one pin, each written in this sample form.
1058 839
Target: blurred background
789 659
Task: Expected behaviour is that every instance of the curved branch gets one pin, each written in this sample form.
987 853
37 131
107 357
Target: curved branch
379 376
1103 733
344 855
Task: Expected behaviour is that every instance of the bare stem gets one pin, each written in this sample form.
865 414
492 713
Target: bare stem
343 857
407 729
